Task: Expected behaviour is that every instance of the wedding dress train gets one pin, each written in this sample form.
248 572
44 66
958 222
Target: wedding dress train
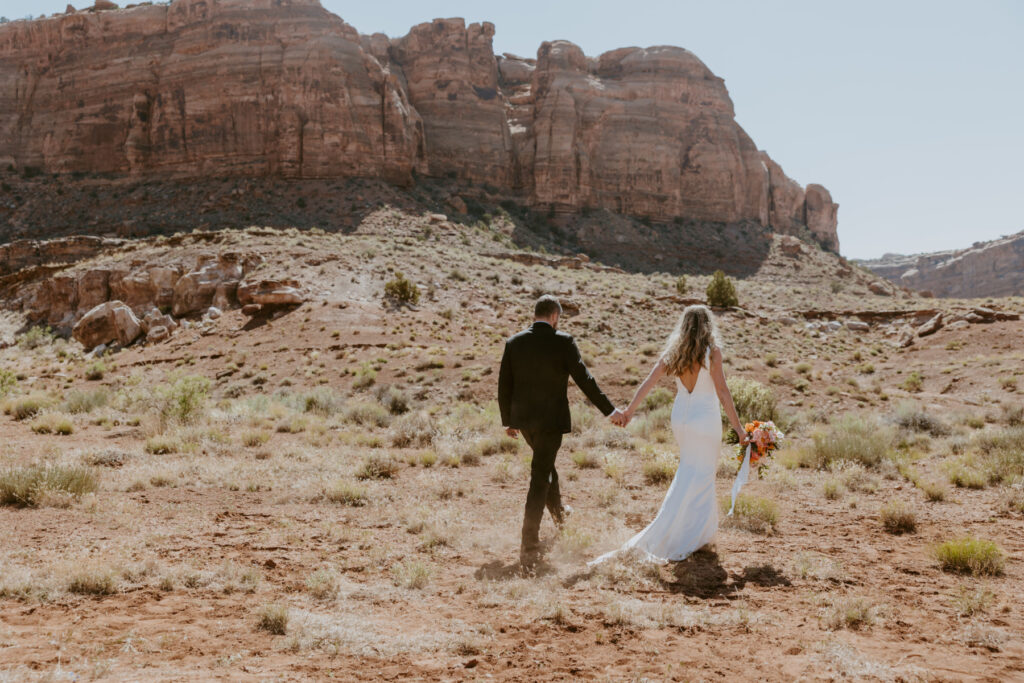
688 518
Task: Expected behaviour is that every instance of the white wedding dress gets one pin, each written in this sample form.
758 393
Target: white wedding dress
688 517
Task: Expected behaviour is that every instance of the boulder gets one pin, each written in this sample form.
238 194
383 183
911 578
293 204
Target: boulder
104 5
930 327
195 291
857 326
271 292
437 218
251 309
958 325
879 288
112 321
906 337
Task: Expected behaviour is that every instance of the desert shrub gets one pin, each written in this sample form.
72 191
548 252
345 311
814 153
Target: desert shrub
660 469
857 478
378 466
1012 414
24 407
393 398
753 401
582 417
681 285
77 402
162 445
402 290
322 584
366 413
852 613
27 486
832 489
322 401
346 493
721 291
969 555
95 371
851 438
913 418
365 377
971 601
53 423
913 382
181 399
273 619
965 473
585 460
652 423
8 381
255 438
934 491
36 337
659 396
753 513
93 579
411 574
897 517
412 430
1001 453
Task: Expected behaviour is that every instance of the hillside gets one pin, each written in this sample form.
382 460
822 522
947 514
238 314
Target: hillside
317 486
994 268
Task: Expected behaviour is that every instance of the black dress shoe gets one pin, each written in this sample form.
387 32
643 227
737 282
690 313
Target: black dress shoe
529 560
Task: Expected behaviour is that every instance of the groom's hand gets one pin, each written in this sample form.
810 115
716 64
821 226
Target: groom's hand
512 431
618 418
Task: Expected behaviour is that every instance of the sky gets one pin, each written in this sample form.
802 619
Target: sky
910 112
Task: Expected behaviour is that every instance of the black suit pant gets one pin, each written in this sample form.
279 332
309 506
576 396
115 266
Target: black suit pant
544 490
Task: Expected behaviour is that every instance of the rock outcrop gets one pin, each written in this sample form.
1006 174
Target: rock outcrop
283 88
993 268
107 323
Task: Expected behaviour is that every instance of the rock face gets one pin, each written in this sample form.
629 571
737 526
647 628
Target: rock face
993 268
283 88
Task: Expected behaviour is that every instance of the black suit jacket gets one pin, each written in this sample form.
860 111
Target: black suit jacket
534 377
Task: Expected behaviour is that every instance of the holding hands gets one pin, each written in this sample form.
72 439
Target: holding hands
621 418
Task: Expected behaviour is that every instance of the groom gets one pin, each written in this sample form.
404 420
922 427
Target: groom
532 385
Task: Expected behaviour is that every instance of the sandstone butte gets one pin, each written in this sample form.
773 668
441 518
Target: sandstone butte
283 88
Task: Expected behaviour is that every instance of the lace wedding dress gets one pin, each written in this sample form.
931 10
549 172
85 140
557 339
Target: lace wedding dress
688 517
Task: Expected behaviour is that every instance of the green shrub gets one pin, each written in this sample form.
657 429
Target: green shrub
851 438
585 460
162 445
659 396
721 291
182 399
759 515
402 290
53 423
970 555
913 418
914 382
25 486
366 413
255 438
394 399
1001 453
753 401
681 285
36 337
8 381
322 401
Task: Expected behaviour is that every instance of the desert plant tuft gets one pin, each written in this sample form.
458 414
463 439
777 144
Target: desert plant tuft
852 613
660 469
27 486
969 555
402 290
912 417
25 407
681 285
95 371
273 619
897 517
759 515
346 493
378 466
852 438
721 291
181 399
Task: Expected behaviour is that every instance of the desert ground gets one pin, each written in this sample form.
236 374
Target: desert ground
324 491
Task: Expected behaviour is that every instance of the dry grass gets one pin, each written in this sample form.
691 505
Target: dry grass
273 619
851 438
346 493
29 486
852 613
752 513
898 518
660 469
378 466
970 555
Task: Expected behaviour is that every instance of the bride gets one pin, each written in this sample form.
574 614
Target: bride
688 517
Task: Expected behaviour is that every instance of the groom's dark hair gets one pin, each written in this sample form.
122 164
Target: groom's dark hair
546 307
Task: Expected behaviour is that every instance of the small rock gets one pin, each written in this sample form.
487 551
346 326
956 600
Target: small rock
857 326
157 333
906 337
437 218
984 312
213 313
786 320
926 294
251 309
879 288
834 325
958 325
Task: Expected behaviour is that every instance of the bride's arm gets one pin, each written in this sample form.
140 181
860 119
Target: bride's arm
657 372
724 395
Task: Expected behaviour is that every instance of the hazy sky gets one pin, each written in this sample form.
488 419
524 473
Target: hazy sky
910 112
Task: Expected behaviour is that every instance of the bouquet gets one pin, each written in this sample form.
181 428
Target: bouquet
764 439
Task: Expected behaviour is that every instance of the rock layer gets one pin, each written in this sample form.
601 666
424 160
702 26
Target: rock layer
283 88
993 268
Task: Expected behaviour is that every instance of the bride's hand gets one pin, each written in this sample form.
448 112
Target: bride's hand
743 436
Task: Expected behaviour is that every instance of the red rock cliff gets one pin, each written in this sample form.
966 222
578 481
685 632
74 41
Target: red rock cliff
284 88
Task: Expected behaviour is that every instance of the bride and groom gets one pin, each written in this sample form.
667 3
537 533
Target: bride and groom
532 384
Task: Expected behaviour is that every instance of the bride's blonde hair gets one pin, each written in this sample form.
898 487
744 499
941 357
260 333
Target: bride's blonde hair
694 334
